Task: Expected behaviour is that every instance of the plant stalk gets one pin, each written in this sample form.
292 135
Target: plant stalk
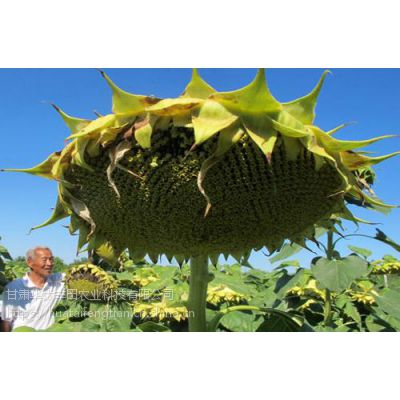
329 246
328 298
385 280
198 293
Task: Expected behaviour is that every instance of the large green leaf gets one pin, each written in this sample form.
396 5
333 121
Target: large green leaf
240 322
389 302
337 275
264 298
278 323
233 282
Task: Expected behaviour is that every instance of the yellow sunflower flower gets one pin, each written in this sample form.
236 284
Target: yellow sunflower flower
310 289
222 293
144 277
160 311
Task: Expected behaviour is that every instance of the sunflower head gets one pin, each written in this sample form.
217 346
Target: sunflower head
145 276
89 282
160 311
205 173
363 293
223 294
310 289
387 265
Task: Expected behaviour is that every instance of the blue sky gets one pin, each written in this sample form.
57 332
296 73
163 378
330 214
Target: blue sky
30 130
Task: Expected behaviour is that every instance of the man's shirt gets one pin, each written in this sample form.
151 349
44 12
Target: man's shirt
24 304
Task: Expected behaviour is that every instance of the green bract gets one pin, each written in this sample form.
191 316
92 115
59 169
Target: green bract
205 173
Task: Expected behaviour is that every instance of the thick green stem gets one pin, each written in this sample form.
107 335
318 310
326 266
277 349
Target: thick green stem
329 246
328 299
198 293
327 308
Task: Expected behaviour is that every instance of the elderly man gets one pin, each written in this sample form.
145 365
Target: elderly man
29 301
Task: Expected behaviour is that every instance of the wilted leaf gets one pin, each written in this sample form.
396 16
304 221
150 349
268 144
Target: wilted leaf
381 236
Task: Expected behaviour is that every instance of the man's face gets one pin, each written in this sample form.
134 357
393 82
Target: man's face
42 262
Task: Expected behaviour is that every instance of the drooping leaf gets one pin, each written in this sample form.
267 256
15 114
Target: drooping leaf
83 212
116 154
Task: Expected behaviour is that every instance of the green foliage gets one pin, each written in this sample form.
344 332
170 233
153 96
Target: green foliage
4 257
337 275
290 298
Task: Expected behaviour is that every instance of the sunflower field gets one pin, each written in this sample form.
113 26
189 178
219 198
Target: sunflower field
349 294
